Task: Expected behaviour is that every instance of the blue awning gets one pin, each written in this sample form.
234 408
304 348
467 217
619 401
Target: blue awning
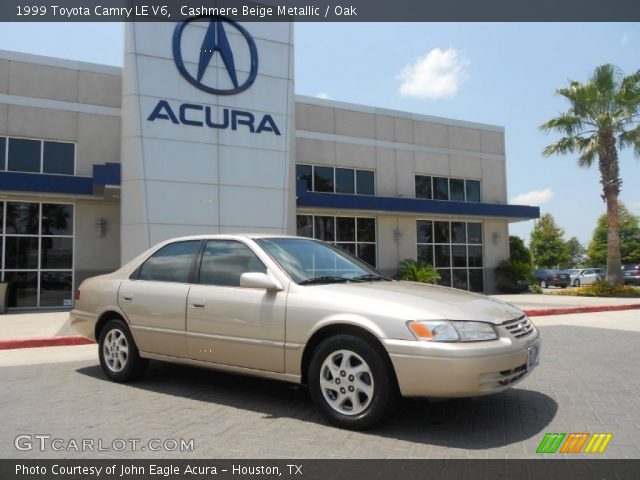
340 201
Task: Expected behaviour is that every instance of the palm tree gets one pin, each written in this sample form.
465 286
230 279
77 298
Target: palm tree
604 116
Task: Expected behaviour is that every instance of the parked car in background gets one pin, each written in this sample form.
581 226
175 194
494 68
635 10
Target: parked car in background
631 274
586 276
551 278
303 311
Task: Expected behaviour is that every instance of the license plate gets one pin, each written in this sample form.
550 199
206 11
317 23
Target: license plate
533 358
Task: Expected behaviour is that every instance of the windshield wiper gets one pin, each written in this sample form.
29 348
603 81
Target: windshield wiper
324 279
370 277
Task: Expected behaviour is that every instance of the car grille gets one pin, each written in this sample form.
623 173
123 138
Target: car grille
513 375
519 327
504 378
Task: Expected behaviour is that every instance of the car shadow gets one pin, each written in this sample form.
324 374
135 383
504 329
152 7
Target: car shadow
473 423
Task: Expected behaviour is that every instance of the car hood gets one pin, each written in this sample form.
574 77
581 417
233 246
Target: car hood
418 301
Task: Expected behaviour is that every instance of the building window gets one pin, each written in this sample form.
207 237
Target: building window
37 253
365 182
443 188
3 153
336 179
356 235
423 187
473 190
455 249
37 156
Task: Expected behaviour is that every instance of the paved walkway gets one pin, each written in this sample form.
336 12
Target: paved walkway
549 300
587 382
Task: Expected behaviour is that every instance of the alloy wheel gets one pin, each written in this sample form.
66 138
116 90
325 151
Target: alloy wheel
346 382
115 350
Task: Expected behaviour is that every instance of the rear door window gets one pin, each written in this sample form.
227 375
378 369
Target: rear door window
172 263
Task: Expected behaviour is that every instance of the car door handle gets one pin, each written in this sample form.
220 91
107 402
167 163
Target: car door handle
197 305
127 298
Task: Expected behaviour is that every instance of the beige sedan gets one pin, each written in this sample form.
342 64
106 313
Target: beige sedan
303 311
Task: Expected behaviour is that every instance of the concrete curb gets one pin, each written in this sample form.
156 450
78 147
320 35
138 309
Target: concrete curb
541 312
13 343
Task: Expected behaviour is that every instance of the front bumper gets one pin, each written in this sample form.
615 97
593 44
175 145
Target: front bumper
447 370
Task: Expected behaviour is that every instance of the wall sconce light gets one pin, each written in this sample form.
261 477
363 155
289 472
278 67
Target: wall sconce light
496 237
397 235
101 227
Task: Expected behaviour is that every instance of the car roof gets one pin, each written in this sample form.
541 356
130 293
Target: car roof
231 236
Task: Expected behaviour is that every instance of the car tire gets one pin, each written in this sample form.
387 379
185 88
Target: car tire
119 357
576 283
543 284
351 382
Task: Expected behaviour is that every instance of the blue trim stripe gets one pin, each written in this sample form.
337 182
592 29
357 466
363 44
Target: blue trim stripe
108 174
339 201
41 182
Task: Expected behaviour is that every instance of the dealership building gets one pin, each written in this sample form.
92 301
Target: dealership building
201 132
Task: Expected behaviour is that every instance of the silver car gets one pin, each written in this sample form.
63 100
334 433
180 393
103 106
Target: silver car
586 276
303 311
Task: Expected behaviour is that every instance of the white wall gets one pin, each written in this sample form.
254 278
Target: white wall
182 179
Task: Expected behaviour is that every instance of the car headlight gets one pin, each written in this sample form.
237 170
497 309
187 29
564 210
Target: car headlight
452 331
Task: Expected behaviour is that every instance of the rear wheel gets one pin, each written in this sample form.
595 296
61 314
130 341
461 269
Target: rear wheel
351 383
119 357
543 284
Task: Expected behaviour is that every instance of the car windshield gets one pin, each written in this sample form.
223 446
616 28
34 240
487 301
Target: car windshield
572 271
312 262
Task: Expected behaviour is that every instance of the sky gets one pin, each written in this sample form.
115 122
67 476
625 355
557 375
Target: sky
498 73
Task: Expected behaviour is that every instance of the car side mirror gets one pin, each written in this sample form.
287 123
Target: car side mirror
259 280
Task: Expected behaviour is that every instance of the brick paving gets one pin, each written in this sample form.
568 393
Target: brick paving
587 382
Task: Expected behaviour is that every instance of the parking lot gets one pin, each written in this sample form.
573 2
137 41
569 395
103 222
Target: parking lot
587 382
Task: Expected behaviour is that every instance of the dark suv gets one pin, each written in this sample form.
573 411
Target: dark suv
631 274
551 278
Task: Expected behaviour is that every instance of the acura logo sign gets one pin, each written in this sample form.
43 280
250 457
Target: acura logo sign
216 42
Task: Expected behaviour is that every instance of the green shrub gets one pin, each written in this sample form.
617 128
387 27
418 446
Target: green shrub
602 288
417 271
513 276
535 288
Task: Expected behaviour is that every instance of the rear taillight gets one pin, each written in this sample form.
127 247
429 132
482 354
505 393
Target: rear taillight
77 294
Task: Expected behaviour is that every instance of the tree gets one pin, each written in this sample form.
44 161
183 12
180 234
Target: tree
604 115
518 251
575 253
629 231
547 245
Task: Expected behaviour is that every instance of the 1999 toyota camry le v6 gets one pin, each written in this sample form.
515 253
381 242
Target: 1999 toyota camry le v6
303 311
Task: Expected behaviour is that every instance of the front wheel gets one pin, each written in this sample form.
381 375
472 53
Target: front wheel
352 384
119 357
576 283
543 284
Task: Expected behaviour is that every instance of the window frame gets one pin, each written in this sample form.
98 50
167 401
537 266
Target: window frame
432 178
39 270
356 242
5 167
334 169
433 245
